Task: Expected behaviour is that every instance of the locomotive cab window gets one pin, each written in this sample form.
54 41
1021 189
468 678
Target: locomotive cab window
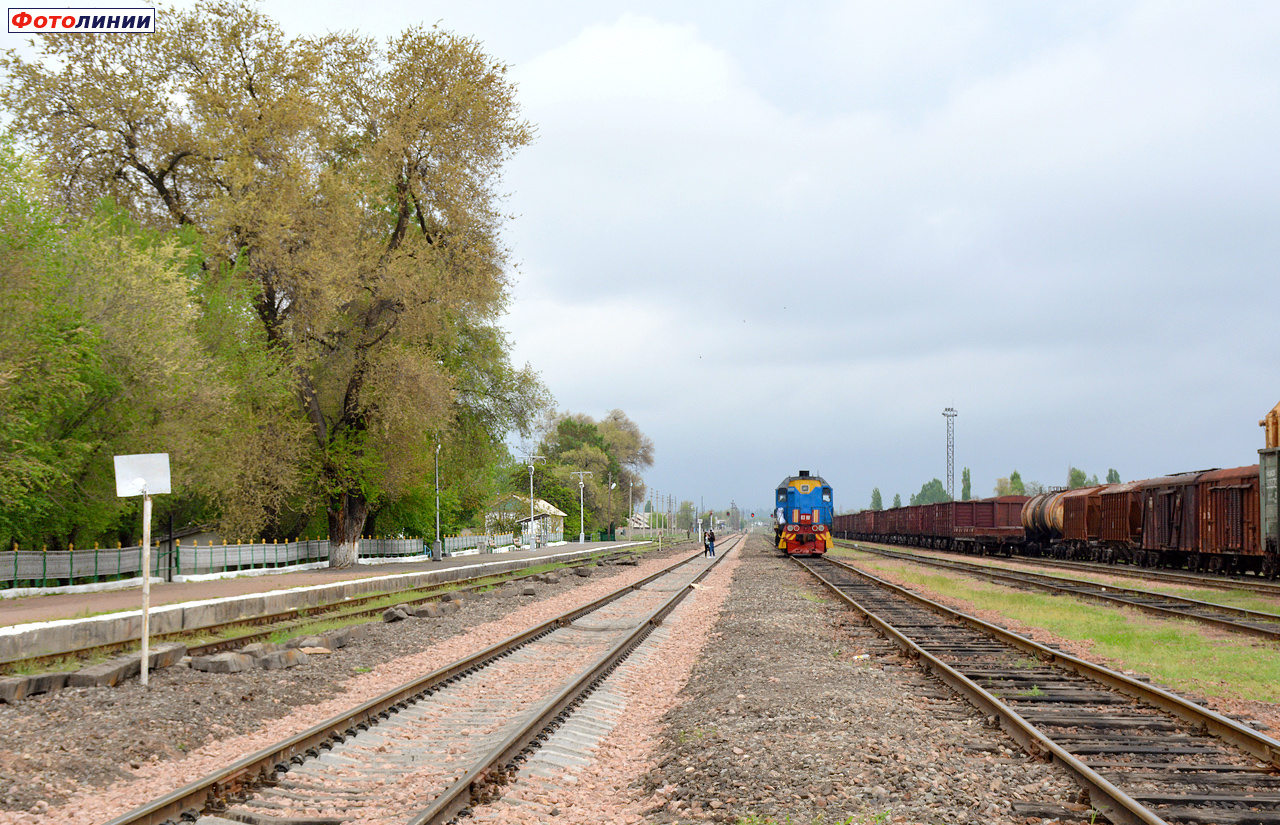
826 496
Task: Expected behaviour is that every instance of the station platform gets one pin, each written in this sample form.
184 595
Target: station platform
63 621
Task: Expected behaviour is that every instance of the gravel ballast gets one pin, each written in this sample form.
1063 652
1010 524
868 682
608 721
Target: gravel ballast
797 712
772 704
79 747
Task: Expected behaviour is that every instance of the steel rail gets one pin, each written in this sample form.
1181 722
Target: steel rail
458 797
210 793
293 617
1094 591
1235 583
1123 807
1255 744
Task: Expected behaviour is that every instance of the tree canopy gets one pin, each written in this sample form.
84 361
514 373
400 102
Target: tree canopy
877 503
1076 478
931 492
101 354
342 195
613 450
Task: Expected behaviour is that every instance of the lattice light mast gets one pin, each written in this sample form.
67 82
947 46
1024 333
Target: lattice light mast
951 414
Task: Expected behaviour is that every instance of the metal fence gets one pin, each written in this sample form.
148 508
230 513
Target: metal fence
29 568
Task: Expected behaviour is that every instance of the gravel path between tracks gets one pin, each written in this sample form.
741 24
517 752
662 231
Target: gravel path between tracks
796 712
90 754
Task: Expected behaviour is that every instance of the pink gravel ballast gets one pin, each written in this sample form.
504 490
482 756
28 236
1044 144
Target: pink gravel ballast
601 794
156 779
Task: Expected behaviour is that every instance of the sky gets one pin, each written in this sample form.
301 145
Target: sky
786 236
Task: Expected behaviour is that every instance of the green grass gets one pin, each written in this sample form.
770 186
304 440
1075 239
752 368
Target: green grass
1229 598
1177 653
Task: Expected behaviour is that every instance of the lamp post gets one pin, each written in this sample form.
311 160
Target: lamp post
532 459
435 548
612 529
582 522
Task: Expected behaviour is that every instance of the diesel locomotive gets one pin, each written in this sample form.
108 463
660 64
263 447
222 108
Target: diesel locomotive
802 515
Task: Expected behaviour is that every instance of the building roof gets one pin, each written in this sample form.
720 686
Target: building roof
516 503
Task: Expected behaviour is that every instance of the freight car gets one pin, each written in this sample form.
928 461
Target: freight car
988 526
1207 521
802 515
1218 521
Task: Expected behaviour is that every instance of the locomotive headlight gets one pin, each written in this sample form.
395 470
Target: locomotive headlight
818 528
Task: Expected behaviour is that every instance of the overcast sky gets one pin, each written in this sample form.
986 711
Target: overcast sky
786 236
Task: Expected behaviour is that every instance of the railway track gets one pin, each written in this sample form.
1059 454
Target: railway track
1144 755
1235 619
1209 581
228 635
455 736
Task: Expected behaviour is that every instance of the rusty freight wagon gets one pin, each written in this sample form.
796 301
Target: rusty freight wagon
1120 525
988 526
1228 513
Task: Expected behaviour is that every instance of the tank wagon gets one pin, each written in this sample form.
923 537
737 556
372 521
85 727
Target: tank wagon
802 515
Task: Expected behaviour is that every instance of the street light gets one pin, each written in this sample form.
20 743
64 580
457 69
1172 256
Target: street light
582 523
532 459
435 548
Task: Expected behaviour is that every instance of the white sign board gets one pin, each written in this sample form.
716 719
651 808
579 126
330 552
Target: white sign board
147 472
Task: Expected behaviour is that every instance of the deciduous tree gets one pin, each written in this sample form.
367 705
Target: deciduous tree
931 492
348 187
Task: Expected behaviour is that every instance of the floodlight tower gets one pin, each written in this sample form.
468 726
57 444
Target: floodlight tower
951 414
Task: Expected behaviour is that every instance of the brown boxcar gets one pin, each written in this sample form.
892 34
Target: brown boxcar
1170 528
1227 505
1081 513
1120 525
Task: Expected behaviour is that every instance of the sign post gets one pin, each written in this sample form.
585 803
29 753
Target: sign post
145 474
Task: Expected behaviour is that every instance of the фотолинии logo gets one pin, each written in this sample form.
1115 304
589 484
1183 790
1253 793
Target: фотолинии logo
82 21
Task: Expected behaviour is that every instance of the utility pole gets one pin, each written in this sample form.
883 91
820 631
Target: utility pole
951 414
582 521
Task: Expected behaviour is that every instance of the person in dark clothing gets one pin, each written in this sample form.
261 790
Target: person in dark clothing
711 543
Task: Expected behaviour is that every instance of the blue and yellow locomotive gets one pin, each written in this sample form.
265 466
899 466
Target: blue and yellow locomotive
802 515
